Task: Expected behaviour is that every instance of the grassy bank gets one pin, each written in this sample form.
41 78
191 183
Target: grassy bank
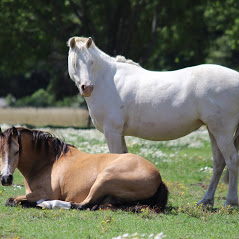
186 167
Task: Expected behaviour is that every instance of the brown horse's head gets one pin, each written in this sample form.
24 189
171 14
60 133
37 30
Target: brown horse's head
9 154
19 147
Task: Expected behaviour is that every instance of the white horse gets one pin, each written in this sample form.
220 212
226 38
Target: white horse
125 99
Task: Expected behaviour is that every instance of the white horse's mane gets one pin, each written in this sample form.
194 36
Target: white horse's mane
118 58
124 60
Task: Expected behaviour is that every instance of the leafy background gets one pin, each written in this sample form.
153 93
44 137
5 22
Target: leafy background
160 35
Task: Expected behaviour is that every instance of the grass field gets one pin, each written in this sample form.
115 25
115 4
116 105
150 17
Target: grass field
186 167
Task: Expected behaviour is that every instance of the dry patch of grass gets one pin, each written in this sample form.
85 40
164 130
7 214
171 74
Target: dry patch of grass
63 117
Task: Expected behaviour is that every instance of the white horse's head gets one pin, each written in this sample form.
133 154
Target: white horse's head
79 64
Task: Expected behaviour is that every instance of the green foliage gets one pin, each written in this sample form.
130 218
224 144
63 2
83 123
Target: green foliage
72 101
160 35
40 98
44 98
10 100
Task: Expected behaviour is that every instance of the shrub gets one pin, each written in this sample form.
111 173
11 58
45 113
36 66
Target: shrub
41 98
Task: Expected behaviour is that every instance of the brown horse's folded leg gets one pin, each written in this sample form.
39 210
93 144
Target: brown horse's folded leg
24 203
92 206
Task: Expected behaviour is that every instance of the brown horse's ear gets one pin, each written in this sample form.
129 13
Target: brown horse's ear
89 42
14 132
71 42
1 133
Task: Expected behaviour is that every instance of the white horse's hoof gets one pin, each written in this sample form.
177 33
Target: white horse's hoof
231 204
206 203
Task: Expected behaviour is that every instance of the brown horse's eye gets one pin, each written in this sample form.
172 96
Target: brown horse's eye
16 152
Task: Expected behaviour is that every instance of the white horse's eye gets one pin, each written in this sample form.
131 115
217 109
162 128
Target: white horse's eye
91 62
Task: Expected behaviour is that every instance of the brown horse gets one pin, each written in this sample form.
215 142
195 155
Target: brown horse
54 170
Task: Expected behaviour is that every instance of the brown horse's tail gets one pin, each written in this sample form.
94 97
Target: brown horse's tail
160 198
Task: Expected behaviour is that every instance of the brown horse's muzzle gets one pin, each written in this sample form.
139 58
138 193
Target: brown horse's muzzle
6 180
86 90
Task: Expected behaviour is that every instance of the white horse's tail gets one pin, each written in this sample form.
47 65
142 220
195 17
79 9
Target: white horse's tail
236 143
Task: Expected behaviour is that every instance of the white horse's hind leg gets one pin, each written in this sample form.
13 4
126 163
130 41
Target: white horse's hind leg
116 142
236 143
218 166
226 145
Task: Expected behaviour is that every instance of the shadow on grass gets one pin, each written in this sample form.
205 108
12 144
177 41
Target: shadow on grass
200 211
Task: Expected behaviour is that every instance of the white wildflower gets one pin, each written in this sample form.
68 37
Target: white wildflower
206 169
125 235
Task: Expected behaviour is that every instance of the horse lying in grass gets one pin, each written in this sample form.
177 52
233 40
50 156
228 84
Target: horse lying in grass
54 170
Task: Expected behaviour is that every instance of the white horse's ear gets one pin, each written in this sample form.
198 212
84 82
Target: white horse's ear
89 42
71 42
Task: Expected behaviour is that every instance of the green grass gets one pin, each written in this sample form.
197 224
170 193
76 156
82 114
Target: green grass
185 166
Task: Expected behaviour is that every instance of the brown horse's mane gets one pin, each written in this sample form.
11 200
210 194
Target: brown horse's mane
40 138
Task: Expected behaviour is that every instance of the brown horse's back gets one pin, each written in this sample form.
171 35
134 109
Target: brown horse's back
94 178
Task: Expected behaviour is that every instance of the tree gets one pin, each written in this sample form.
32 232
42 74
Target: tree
160 35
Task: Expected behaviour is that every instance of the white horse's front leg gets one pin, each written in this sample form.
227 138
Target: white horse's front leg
115 141
218 166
